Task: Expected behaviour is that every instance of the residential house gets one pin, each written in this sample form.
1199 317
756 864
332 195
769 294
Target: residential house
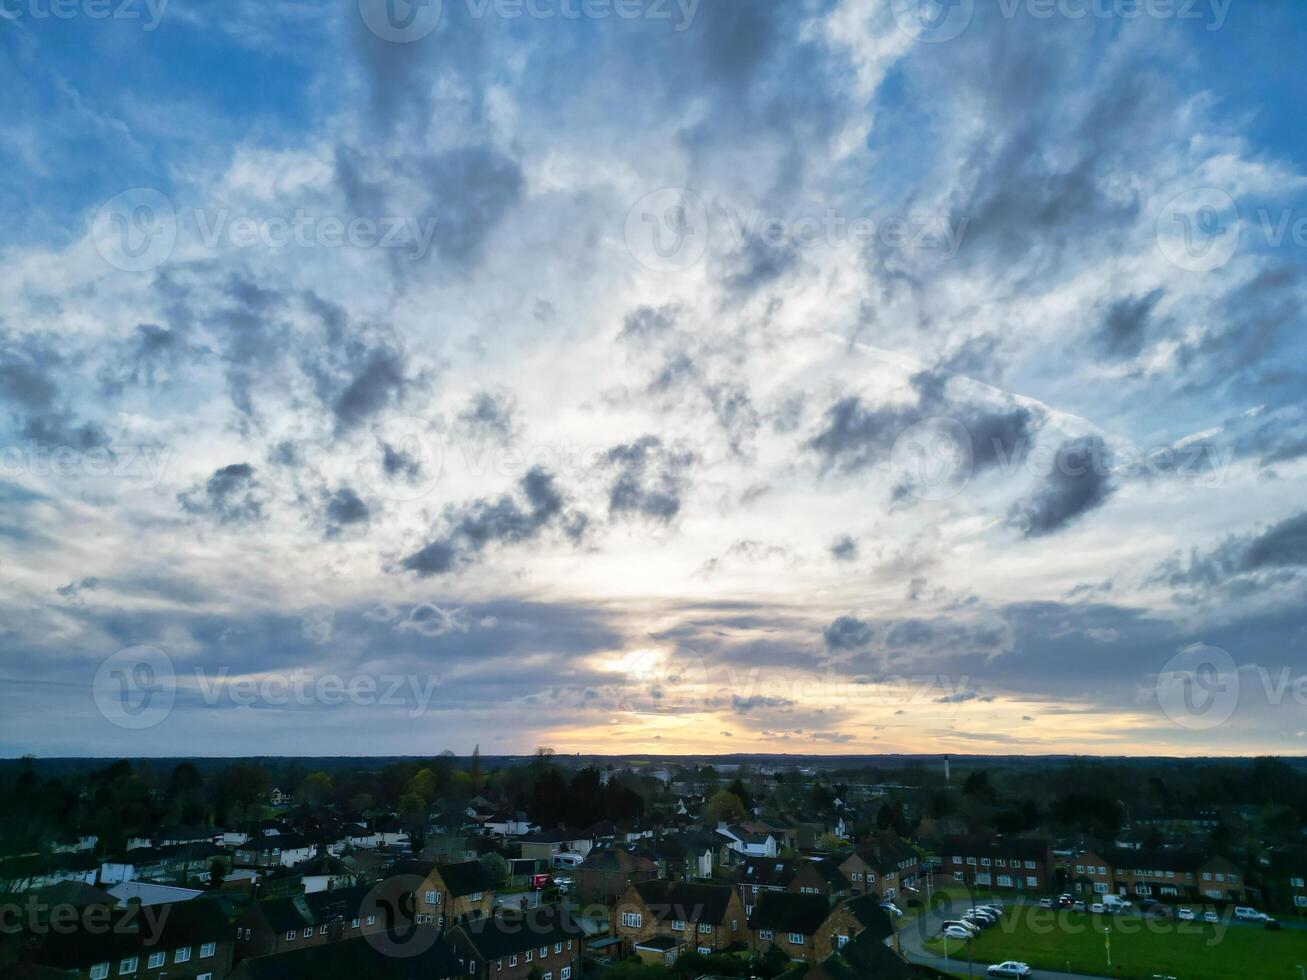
707 918
545 845
882 867
820 876
607 872
808 928
1161 873
509 946
445 894
280 925
185 941
275 851
423 956
748 843
759 876
1016 863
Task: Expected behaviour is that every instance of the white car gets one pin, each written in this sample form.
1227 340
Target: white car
1009 968
1097 908
992 909
966 927
1185 915
892 909
1247 914
957 932
1211 917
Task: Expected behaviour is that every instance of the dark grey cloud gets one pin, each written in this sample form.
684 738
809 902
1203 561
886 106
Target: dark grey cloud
507 520
1125 326
28 371
757 264
648 322
490 415
742 706
1275 553
844 548
1078 483
848 633
345 508
73 589
649 479
231 495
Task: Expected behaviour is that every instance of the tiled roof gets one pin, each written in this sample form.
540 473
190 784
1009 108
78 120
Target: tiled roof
685 900
789 912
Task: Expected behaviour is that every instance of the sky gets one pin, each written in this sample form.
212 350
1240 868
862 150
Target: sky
652 376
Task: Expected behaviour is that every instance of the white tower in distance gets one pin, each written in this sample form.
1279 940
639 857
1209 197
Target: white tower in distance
946 768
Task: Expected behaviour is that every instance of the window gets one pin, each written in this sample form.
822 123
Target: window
1080 869
512 960
1030 865
1296 882
156 960
354 923
475 896
205 976
957 859
678 925
290 936
1032 882
544 951
764 935
182 955
529 954
1004 881
565 973
322 930
796 939
372 920
127 966
971 861
558 947
705 927
705 950
632 920
959 876
208 949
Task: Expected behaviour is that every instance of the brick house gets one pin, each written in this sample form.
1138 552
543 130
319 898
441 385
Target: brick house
1000 863
1090 874
758 876
808 928
607 872
704 917
448 893
509 946
189 940
820 877
281 925
1181 874
882 867
427 958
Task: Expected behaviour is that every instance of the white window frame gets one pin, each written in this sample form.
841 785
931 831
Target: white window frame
208 949
156 960
128 965
99 971
182 955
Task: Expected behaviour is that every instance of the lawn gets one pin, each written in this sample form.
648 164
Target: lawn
1141 949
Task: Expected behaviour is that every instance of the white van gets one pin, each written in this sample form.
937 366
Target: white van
568 859
1116 903
1247 914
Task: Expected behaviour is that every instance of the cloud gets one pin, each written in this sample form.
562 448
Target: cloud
844 548
1079 482
848 633
345 508
231 495
649 479
490 416
470 528
1125 327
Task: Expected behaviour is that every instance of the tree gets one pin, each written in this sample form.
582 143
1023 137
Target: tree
475 769
495 867
315 790
217 872
725 806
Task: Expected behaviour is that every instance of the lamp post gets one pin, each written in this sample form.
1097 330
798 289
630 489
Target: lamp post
1107 942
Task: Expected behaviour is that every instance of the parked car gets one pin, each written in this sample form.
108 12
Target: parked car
1045 903
1185 915
1078 905
1116 903
1009 968
1159 910
1097 908
1064 900
1211 917
1245 913
977 921
892 909
1271 924
967 927
996 909
957 932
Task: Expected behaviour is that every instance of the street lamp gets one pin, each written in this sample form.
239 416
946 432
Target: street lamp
1107 942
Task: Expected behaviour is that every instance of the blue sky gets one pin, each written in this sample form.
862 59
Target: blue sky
716 375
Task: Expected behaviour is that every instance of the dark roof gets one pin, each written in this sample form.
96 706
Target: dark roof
355 958
790 912
136 931
78 894
662 943
1156 859
465 877
768 871
687 901
875 921
497 936
865 958
318 908
614 859
559 836
828 871
1024 848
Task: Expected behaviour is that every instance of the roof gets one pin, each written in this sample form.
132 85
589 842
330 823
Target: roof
354 958
875 921
768 871
136 931
317 908
78 894
688 901
465 877
497 936
660 943
865 958
1024 848
790 912
827 871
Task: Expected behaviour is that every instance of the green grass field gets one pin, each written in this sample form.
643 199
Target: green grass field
1141 949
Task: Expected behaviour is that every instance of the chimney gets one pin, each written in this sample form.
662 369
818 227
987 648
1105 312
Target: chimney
946 768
